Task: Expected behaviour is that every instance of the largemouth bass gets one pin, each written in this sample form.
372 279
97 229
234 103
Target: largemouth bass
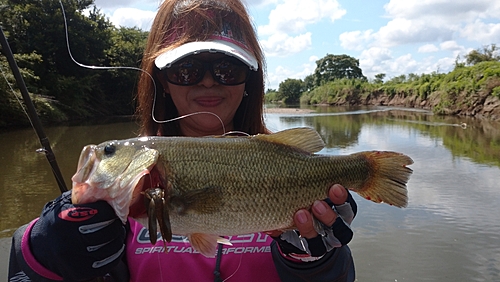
218 186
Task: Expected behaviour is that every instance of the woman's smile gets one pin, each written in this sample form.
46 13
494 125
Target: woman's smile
209 101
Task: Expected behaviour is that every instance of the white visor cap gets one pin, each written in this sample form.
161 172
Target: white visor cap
168 58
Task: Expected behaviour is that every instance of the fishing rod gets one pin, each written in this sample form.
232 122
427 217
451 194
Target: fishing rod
32 114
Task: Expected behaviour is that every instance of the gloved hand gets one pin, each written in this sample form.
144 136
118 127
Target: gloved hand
78 242
321 233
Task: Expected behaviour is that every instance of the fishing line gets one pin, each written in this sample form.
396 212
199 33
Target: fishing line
189 115
130 68
236 133
17 98
237 268
40 150
94 67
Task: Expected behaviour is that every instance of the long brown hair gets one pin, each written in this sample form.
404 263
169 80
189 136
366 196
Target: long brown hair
182 21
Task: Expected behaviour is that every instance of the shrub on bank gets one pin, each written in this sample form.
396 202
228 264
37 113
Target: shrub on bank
459 88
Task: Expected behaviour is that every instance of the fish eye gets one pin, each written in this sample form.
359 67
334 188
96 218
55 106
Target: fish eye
109 150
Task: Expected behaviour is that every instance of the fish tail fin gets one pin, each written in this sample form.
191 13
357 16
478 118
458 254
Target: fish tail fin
388 178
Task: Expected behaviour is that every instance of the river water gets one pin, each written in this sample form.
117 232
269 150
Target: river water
449 232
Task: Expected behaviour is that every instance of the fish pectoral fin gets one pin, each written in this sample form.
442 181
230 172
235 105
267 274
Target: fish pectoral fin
206 244
204 201
304 138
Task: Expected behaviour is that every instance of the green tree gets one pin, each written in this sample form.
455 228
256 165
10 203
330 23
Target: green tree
333 67
290 90
398 79
412 77
38 27
484 54
125 51
309 82
270 96
379 78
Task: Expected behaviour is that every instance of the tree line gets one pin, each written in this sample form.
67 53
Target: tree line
338 79
61 90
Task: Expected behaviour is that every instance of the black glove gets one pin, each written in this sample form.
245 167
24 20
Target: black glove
329 237
78 242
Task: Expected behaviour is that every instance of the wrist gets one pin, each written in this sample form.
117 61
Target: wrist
30 259
291 252
298 257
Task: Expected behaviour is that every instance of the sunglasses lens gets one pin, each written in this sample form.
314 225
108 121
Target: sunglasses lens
230 71
186 72
226 71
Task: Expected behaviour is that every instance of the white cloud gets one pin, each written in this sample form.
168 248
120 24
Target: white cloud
281 44
403 64
355 40
426 26
131 17
258 2
403 31
381 60
451 11
313 59
451 46
292 17
443 65
428 48
280 74
374 60
113 4
482 32
305 70
426 21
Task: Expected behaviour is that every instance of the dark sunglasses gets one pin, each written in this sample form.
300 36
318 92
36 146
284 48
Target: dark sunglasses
190 71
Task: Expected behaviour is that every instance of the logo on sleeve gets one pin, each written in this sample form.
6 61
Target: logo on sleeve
78 214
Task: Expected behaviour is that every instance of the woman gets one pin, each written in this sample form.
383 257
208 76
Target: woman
207 67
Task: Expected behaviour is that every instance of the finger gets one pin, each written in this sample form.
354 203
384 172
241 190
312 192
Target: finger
324 213
304 222
338 194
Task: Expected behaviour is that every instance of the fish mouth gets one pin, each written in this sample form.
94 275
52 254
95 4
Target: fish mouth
153 179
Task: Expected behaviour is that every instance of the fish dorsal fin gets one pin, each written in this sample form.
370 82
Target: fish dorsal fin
304 138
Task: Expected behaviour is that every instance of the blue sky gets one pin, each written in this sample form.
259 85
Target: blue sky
394 37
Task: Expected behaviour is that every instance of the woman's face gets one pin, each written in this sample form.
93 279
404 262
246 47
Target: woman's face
208 95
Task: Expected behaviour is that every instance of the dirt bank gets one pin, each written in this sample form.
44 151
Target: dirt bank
287 111
479 105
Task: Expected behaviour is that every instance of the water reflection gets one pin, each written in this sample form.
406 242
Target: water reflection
476 139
